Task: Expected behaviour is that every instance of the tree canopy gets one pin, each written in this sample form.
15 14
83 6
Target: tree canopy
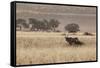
72 28
44 25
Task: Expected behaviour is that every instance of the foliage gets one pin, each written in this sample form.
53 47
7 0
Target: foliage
43 25
72 28
20 23
54 24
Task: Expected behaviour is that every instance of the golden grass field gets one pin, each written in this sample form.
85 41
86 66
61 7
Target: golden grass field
44 48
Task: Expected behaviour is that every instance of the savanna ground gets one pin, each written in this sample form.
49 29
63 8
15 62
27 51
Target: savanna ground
43 48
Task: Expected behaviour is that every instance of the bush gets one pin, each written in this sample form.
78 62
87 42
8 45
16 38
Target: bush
87 33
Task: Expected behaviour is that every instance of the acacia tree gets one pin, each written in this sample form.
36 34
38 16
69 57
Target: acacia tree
47 25
20 22
34 23
40 25
54 24
72 28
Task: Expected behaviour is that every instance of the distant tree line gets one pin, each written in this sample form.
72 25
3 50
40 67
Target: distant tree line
37 25
45 25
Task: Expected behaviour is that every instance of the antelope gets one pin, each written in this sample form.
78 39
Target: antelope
72 40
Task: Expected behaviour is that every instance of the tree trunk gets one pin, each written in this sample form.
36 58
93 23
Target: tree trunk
20 28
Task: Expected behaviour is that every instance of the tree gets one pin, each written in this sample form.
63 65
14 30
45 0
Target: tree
25 25
34 23
47 25
19 23
54 24
72 28
40 25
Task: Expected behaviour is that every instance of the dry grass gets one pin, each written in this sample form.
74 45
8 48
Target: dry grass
40 48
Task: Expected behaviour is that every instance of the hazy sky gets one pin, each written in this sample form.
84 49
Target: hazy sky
84 16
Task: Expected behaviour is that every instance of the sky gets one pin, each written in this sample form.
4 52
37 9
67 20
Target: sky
85 17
